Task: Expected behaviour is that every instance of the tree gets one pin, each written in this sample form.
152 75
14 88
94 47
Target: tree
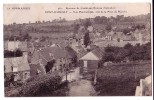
126 30
101 20
128 46
97 19
108 27
119 17
86 38
27 37
108 56
43 38
76 28
18 53
49 65
87 23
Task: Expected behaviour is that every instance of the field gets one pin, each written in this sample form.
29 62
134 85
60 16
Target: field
50 35
121 80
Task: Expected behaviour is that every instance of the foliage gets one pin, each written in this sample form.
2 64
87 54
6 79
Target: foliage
132 53
17 53
126 30
86 38
101 20
40 85
49 65
87 23
76 28
108 27
128 46
20 37
26 37
119 80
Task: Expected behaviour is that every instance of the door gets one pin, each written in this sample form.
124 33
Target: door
85 66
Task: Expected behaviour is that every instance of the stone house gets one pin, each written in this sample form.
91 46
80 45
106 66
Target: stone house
17 67
63 58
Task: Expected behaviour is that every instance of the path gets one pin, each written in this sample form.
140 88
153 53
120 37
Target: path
77 86
81 88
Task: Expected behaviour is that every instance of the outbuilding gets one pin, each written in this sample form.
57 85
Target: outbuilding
91 61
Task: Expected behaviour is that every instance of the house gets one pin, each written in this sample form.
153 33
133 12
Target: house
79 50
91 61
14 45
145 88
109 36
61 56
118 36
18 67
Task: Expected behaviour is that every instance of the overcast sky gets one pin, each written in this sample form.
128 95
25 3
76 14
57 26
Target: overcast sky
37 11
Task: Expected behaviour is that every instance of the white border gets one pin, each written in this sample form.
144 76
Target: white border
68 1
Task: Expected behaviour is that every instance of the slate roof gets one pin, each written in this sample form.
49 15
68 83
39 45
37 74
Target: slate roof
34 57
98 52
20 63
71 52
95 54
23 46
57 52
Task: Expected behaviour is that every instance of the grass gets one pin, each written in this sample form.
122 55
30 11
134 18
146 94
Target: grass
120 80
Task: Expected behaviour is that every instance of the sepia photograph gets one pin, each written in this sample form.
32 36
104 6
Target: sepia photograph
77 49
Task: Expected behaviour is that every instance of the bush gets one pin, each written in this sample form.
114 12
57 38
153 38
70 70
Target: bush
40 85
133 53
17 53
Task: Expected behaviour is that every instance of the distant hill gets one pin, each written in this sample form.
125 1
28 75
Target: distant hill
99 23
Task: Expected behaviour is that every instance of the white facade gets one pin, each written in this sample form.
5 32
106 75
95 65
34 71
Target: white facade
90 56
13 45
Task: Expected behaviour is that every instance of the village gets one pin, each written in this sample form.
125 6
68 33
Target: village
78 58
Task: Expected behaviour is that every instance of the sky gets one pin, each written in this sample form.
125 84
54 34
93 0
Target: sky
40 12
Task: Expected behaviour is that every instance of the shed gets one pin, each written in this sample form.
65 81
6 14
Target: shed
91 61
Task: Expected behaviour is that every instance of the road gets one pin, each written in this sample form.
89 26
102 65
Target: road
73 76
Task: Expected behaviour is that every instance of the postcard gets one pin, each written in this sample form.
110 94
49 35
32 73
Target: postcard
77 49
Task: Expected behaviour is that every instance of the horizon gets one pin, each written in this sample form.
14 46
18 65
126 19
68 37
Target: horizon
66 20
37 12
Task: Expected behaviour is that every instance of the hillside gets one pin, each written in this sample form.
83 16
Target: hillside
119 22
